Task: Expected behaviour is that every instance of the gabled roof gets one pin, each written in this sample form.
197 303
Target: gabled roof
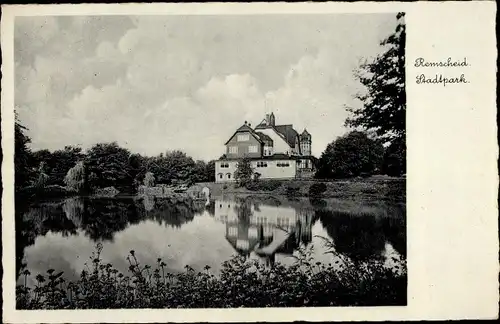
288 132
245 128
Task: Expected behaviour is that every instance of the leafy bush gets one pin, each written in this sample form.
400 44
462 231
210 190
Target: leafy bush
317 189
292 190
240 284
263 185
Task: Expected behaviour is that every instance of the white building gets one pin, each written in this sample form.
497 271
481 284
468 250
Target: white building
275 151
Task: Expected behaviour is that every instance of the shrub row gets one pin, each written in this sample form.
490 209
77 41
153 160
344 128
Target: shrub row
241 283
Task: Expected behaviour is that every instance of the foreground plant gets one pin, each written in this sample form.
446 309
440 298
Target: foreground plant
241 283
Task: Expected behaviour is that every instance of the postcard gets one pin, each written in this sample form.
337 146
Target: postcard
249 162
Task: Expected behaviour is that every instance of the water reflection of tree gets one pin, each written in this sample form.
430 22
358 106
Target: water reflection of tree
49 217
168 213
37 220
99 218
395 230
103 217
244 210
362 236
25 234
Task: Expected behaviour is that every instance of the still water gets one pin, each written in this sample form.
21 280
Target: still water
63 234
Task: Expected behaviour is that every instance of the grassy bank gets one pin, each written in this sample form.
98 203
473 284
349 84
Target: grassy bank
240 284
392 189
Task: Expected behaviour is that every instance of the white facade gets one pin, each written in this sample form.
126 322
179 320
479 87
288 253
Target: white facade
280 145
275 169
268 169
224 171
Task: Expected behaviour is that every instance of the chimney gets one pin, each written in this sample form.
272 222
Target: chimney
271 119
267 119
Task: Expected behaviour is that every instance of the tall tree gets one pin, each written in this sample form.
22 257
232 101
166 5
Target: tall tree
23 158
108 165
384 102
210 171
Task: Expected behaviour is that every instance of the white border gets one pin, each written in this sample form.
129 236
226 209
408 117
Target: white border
452 174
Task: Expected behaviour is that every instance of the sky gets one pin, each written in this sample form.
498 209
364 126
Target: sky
160 83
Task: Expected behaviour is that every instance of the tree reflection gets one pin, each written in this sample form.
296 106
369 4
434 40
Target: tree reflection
98 218
362 236
103 217
38 220
166 212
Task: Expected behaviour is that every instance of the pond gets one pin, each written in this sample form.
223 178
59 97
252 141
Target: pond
63 234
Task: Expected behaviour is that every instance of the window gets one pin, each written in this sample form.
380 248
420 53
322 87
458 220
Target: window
220 175
233 231
233 149
283 164
229 175
243 137
253 149
261 164
224 165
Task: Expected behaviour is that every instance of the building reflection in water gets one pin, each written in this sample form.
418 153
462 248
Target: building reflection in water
251 226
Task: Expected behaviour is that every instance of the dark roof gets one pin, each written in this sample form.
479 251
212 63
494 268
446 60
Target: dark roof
288 132
264 137
305 133
244 128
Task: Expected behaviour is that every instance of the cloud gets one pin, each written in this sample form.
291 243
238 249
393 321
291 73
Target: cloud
187 82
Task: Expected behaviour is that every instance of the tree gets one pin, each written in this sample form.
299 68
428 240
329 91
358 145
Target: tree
244 172
108 165
23 158
149 179
172 166
351 155
395 158
42 179
75 178
210 171
58 163
384 102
